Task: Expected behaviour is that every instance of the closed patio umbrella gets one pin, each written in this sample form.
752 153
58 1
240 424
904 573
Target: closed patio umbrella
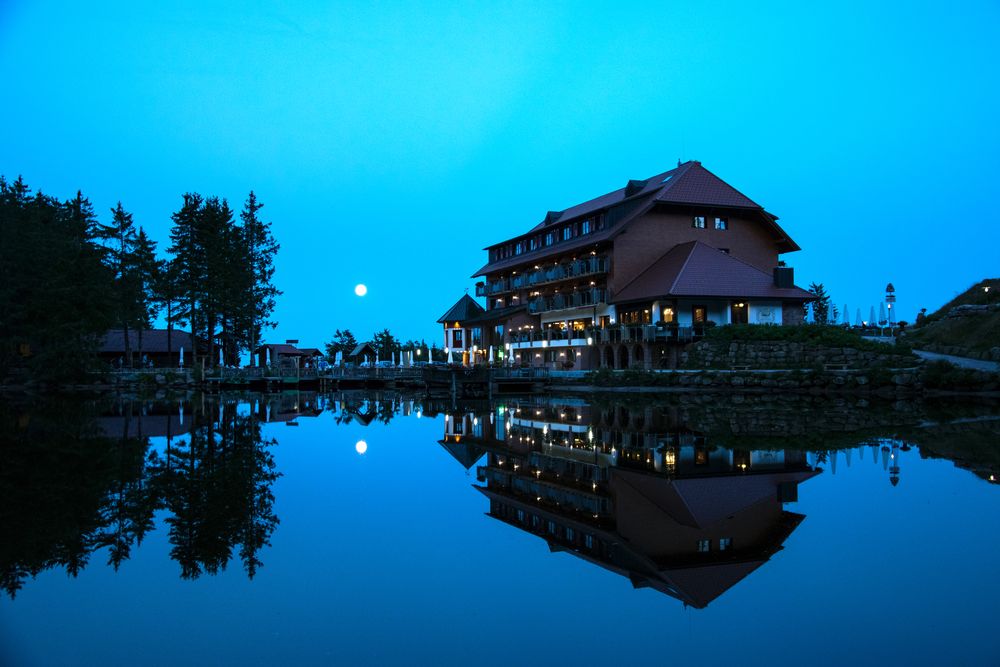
847 317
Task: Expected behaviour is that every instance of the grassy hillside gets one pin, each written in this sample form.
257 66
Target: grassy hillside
973 334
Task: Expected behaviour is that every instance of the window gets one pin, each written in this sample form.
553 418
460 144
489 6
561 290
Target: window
722 223
552 527
567 233
725 543
698 222
570 534
534 243
519 248
520 516
550 238
456 338
704 546
587 227
699 314
588 541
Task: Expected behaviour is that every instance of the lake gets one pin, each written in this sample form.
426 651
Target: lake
385 528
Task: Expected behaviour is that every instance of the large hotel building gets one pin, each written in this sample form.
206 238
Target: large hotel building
626 279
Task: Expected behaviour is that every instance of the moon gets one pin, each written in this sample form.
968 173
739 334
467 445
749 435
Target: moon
361 447
360 289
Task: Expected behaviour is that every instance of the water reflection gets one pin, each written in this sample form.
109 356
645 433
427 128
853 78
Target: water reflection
80 477
663 507
686 496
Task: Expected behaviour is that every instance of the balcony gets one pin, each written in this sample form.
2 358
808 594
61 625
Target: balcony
579 299
626 333
576 269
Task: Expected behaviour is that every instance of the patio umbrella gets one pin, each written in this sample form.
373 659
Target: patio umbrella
871 318
847 317
833 462
881 312
180 409
181 364
429 357
857 318
489 359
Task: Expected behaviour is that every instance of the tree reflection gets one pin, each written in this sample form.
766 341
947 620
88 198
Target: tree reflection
77 477
217 485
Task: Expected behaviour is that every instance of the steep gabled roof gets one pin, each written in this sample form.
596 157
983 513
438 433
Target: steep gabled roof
699 270
689 184
465 308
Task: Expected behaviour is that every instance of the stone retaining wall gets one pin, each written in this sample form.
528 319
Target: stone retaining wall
786 354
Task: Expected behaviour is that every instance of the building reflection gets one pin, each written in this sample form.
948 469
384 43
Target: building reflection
633 492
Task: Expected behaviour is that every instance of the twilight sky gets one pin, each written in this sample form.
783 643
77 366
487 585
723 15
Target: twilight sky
391 142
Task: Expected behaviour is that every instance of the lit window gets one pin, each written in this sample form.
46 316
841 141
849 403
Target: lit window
704 546
725 543
550 238
698 222
722 223
586 227
567 233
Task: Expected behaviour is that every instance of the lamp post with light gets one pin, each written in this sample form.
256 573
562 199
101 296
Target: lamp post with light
890 301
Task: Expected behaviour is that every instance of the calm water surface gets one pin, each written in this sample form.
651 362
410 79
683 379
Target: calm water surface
387 529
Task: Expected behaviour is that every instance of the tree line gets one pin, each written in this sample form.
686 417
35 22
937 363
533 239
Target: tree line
384 342
66 279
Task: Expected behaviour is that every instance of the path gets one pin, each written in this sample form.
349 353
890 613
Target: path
962 362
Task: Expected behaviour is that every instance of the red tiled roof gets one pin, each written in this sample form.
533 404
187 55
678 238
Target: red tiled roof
687 184
697 269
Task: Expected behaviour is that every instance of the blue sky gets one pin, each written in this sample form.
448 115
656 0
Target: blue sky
391 142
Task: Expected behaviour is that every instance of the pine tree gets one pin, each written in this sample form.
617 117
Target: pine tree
821 303
260 248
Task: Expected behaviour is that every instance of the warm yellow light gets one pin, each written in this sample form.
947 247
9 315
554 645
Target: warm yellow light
360 289
361 447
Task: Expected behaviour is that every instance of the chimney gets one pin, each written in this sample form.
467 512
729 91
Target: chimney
784 277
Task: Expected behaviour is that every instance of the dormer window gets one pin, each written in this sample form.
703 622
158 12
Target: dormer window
698 222
722 223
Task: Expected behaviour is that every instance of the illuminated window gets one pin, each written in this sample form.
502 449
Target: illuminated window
722 223
704 546
567 233
725 543
698 222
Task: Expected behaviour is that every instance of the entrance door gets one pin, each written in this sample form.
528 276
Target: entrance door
739 312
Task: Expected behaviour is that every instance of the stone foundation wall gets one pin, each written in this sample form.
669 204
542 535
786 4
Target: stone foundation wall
786 354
